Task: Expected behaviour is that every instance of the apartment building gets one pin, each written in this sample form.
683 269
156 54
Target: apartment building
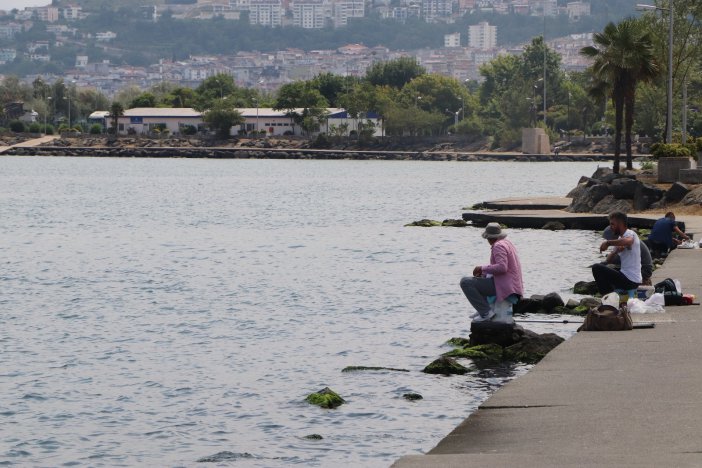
266 12
482 36
310 14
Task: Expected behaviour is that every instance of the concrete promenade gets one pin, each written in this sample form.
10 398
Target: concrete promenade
601 399
30 143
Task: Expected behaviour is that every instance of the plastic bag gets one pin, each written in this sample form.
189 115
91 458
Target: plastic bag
611 299
637 306
656 299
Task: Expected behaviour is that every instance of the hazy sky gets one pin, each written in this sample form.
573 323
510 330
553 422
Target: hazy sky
10 4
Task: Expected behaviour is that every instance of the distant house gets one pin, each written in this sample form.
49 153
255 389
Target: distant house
144 120
278 122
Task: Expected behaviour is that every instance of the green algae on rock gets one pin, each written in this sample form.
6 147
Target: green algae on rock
532 347
586 288
371 368
445 366
325 398
458 342
492 352
454 223
424 223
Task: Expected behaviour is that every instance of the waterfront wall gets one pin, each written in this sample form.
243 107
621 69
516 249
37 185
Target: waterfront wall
277 153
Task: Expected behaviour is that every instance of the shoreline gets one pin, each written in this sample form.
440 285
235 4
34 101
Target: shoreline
575 399
293 153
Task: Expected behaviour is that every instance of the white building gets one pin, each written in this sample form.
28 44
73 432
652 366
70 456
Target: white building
544 8
81 61
278 123
8 31
266 12
577 10
47 14
144 120
106 36
452 40
7 55
310 14
71 12
345 9
436 10
482 36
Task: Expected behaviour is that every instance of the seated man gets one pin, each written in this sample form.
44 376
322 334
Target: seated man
646 259
661 239
629 251
501 278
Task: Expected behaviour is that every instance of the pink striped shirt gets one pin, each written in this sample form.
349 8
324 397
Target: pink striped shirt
506 269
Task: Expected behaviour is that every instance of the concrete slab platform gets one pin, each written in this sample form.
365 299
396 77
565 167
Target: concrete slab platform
540 203
535 219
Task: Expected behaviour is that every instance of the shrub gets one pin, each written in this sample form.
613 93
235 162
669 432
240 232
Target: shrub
95 129
322 141
35 128
49 129
17 126
698 145
470 127
189 130
670 150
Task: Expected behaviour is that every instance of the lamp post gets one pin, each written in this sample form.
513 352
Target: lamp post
669 117
416 101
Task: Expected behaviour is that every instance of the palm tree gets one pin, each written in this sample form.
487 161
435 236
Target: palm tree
623 56
116 111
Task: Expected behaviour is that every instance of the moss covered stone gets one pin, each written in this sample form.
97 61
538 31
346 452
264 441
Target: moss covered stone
532 347
458 342
371 368
586 288
425 223
581 310
325 398
412 396
313 437
454 223
445 366
491 352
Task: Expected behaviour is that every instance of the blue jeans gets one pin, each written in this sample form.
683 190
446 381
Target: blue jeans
477 290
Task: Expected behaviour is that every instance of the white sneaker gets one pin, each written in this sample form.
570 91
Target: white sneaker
487 318
475 315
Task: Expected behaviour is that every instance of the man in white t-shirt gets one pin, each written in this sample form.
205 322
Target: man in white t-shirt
628 247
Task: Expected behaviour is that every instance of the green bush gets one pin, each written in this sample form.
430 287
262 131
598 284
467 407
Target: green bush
322 141
189 130
670 150
35 128
95 129
17 126
698 145
49 129
470 127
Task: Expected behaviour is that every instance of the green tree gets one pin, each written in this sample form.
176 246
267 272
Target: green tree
395 73
303 103
623 57
222 117
334 87
143 100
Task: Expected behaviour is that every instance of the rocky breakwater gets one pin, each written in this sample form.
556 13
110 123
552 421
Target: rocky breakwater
605 192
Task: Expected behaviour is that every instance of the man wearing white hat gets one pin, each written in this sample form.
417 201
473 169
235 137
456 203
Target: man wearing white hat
501 278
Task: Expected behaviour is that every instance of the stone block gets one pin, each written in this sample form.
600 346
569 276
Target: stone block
535 141
677 192
669 169
690 176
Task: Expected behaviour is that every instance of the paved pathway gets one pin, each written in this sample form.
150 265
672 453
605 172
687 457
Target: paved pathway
30 143
601 399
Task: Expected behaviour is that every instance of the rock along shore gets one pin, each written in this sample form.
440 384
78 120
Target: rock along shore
291 153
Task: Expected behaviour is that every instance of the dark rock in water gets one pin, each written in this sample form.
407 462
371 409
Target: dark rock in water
483 333
445 366
572 303
589 198
646 195
325 398
424 223
454 223
609 204
676 193
610 178
526 305
624 189
484 352
554 226
313 437
552 300
224 456
371 368
578 191
586 288
458 342
532 347
412 396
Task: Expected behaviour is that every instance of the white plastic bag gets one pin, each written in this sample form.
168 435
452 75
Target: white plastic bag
656 299
678 286
611 299
637 306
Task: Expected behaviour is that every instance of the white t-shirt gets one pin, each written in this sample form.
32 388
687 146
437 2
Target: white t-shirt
631 258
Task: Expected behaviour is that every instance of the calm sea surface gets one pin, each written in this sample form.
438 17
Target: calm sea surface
155 312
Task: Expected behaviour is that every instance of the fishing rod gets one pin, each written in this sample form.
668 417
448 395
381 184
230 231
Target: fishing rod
639 326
